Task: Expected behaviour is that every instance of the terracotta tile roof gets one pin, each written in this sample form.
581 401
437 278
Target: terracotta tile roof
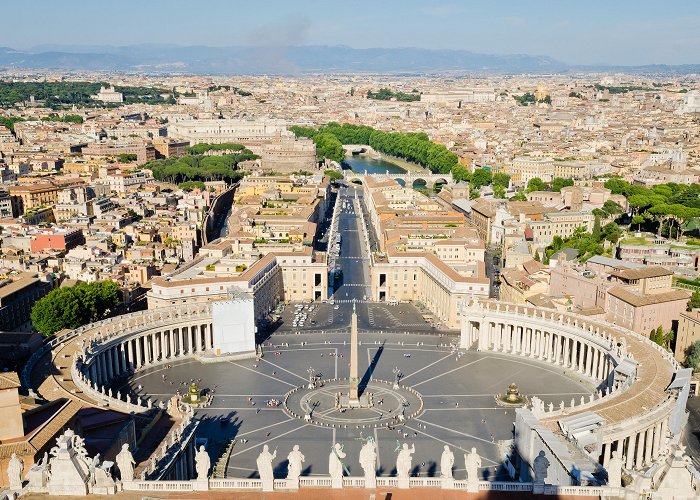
9 380
637 300
637 274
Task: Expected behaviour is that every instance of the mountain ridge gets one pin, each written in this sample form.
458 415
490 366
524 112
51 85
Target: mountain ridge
201 59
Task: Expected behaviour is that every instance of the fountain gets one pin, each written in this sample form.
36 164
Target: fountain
194 396
512 397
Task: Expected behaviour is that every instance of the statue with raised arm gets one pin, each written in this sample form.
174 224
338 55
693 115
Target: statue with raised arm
125 464
264 463
368 462
202 464
447 461
404 459
295 458
472 462
14 472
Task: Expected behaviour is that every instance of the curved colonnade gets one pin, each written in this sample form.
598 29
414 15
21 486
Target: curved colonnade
631 373
120 346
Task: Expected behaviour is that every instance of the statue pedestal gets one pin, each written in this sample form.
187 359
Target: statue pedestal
371 482
538 488
337 483
472 486
268 485
447 483
404 483
292 484
38 479
104 484
201 484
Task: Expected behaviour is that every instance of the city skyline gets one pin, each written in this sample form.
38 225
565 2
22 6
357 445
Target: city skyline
622 33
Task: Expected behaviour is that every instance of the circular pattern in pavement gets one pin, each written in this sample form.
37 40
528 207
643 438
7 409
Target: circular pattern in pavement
318 406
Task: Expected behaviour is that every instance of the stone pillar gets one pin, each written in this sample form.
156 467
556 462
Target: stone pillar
662 436
171 340
607 447
122 358
139 360
191 342
103 369
629 456
657 441
567 357
601 365
157 337
93 372
483 336
207 337
580 365
130 352
505 334
108 363
117 360
639 458
649 440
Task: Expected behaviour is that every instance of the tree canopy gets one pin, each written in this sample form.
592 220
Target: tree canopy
74 306
415 147
386 94
535 184
200 167
692 358
57 95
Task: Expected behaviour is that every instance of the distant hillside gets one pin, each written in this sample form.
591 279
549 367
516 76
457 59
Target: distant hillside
297 59
276 60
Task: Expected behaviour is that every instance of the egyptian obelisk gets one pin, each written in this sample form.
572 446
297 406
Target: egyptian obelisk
353 394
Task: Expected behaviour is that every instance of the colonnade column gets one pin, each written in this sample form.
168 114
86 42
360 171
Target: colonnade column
639 458
207 337
630 452
138 352
171 338
566 351
649 445
657 440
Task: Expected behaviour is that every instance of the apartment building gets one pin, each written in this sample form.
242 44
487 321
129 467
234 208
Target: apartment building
688 332
17 296
36 195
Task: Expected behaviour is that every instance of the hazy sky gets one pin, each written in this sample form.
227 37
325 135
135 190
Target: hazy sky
577 32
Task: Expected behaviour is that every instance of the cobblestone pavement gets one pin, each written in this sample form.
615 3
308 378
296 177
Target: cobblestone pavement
457 391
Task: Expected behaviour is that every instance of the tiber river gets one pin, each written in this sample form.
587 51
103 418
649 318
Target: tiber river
360 163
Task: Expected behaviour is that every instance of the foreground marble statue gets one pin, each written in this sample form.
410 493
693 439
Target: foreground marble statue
38 475
125 464
403 464
14 472
447 461
69 466
472 462
73 473
264 463
540 465
202 464
614 469
368 462
296 459
335 465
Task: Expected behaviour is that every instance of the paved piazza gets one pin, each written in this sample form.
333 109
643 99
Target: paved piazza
451 393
